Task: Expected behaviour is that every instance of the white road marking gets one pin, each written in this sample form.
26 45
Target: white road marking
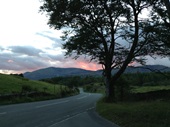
90 108
3 113
67 118
81 97
41 106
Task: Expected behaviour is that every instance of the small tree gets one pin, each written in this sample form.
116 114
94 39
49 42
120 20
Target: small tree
109 32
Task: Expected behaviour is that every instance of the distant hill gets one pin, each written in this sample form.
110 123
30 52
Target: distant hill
56 72
147 69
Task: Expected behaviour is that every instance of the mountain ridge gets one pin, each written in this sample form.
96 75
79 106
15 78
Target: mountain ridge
51 72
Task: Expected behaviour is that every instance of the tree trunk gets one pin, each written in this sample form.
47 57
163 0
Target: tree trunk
109 86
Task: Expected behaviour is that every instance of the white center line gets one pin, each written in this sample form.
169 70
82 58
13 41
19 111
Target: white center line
3 113
41 106
81 97
67 118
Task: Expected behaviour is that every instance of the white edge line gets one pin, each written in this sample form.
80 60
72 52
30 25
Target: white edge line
41 106
90 108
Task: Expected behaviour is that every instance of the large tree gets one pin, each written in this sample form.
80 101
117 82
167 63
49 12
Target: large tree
108 31
160 20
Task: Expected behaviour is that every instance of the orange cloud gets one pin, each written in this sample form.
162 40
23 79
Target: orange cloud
88 65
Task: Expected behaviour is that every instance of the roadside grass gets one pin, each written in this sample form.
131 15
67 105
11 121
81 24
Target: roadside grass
15 89
136 114
139 113
145 102
145 89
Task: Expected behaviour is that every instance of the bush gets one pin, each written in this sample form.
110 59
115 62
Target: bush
122 89
151 95
88 88
26 88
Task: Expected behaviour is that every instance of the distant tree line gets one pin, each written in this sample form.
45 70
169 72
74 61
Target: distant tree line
20 75
74 81
132 79
147 79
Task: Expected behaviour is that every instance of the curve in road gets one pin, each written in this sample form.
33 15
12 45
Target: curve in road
75 111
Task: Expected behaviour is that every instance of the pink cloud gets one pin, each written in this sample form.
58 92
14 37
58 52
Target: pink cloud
10 61
88 65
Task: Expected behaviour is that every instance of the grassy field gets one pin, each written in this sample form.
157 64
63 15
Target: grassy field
11 85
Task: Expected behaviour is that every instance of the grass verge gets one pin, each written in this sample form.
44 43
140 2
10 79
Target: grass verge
145 89
136 114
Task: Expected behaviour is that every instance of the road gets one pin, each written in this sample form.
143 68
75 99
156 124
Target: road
75 111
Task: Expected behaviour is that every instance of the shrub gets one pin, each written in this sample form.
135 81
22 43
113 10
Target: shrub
88 88
26 88
45 89
122 89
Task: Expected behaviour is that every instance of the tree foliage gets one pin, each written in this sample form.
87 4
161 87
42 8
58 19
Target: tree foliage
160 21
111 32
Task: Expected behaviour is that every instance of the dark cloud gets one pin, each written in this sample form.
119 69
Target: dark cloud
1 48
20 59
25 58
57 42
59 57
16 62
7 60
25 50
31 63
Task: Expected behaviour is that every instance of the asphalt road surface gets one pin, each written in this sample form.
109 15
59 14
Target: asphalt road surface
75 111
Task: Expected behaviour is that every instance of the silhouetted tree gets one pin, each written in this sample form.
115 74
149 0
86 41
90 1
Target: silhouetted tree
162 8
159 25
108 31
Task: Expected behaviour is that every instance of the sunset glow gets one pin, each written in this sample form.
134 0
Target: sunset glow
27 43
88 65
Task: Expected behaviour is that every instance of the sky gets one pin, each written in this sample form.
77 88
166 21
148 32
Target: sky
27 43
